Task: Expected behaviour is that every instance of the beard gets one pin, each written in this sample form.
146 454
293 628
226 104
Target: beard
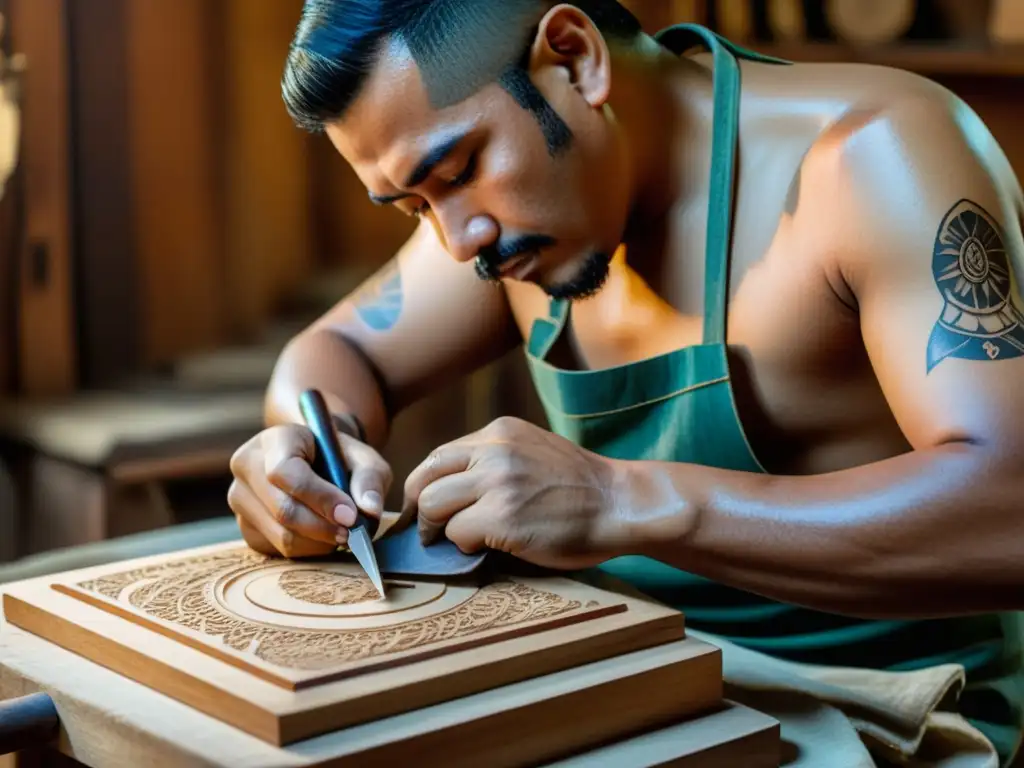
588 280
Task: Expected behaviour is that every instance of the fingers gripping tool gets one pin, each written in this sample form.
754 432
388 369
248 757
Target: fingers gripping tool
329 463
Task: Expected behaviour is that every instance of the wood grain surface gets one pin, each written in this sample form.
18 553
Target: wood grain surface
110 721
295 694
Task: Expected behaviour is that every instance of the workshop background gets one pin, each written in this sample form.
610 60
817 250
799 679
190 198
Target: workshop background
165 229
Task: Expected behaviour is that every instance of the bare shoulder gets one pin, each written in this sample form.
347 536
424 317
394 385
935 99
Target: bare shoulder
911 208
892 177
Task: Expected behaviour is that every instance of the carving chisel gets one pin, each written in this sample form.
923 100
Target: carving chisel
330 465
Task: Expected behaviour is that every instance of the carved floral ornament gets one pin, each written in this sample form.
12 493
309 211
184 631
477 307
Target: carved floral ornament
182 593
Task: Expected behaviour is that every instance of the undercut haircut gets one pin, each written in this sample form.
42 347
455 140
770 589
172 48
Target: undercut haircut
459 46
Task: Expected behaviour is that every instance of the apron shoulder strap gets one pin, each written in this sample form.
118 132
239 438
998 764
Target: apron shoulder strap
724 146
725 134
674 36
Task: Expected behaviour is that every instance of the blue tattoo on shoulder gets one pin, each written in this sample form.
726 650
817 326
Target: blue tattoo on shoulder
979 320
379 303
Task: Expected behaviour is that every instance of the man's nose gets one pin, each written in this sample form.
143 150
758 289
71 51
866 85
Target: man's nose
467 241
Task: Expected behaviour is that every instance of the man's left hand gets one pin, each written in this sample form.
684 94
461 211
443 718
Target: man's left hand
520 489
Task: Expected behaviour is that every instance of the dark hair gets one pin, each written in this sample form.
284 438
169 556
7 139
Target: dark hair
458 45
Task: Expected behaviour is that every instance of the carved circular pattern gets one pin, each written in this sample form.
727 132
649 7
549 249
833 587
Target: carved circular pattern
326 588
187 594
311 594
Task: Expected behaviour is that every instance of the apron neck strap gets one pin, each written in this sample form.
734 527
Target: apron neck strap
724 147
724 140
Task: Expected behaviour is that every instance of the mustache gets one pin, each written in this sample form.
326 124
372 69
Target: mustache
490 260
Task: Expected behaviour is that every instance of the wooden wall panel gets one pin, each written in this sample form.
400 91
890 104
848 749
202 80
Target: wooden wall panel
658 14
267 165
106 270
177 209
351 231
10 230
46 344
10 240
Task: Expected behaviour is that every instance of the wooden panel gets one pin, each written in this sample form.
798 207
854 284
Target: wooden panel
928 59
219 628
731 737
106 283
658 14
10 244
46 340
268 191
173 83
1007 21
351 231
109 720
10 231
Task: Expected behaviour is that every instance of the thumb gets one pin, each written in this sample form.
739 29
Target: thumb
370 476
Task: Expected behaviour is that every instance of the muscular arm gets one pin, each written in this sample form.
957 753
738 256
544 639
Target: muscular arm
422 321
930 249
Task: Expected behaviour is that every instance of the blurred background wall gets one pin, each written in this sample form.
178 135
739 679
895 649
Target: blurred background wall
167 229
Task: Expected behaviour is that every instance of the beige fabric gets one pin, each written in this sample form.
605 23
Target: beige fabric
835 717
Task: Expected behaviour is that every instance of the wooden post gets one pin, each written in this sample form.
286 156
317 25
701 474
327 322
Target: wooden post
46 340
172 92
107 303
267 188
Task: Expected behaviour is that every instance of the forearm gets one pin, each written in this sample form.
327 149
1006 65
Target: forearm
929 533
322 359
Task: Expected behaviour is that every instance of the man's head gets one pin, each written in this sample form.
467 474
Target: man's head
488 117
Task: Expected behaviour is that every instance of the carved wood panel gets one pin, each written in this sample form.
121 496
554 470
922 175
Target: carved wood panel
297 626
288 649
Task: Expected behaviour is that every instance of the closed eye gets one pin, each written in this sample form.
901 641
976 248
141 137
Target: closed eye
461 180
467 175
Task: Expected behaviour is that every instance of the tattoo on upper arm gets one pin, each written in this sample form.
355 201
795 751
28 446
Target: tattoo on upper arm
379 302
980 319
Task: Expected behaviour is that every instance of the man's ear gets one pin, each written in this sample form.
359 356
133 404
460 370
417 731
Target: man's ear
568 39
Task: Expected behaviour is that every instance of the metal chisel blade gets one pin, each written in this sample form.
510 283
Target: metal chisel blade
361 544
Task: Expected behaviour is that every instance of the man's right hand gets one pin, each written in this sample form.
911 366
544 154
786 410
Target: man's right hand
284 508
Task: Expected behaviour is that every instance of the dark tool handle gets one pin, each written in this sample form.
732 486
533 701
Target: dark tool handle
329 462
27 723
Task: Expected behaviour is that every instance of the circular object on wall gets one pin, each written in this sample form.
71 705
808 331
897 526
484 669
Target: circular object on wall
786 18
870 22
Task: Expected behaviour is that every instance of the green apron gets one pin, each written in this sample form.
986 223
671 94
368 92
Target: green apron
679 407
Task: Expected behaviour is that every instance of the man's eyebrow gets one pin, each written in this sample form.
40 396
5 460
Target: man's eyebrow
434 157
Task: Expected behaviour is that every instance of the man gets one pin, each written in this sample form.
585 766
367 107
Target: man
799 423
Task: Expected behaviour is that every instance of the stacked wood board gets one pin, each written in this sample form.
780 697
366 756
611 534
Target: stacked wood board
277 662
